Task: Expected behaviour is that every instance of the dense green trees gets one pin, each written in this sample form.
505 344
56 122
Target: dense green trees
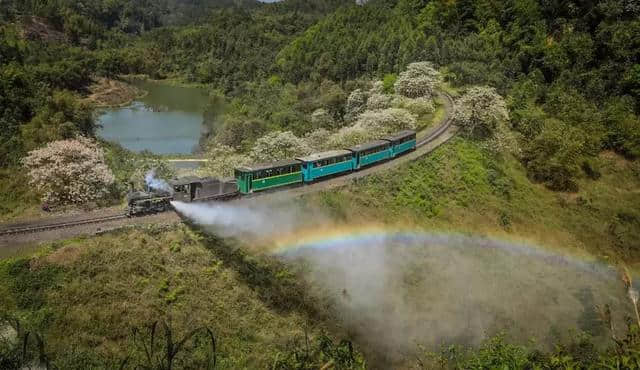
565 66
575 64
33 75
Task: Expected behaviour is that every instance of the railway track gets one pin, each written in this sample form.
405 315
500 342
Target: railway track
59 225
444 126
25 229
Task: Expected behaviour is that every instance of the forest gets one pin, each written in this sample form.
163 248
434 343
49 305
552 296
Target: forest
564 67
550 85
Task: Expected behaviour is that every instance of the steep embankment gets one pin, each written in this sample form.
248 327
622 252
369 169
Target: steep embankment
87 297
462 186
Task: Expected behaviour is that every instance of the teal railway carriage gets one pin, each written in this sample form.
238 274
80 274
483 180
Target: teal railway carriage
402 142
370 153
269 175
324 164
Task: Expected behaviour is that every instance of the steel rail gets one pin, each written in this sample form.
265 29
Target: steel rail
443 127
59 225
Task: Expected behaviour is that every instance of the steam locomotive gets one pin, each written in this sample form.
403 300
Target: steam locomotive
185 189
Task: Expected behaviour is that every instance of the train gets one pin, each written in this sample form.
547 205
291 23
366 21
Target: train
266 176
311 168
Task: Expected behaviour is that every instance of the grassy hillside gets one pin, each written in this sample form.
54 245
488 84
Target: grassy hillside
569 73
85 296
88 293
462 186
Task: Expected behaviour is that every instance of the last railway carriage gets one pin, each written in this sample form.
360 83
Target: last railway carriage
402 142
319 165
268 175
370 153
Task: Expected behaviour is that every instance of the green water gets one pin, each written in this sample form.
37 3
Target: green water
167 120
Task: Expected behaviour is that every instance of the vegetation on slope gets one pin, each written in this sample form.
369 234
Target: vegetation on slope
569 72
84 297
465 186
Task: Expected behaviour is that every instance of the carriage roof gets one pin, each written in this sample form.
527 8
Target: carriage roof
399 135
324 155
190 180
368 145
264 166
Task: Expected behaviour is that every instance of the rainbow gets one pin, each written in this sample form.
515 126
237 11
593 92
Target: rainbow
345 237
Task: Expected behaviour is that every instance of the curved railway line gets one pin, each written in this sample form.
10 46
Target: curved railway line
40 226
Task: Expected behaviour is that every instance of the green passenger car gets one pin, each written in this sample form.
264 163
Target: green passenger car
268 175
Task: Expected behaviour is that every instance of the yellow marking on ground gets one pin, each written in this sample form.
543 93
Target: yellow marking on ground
188 160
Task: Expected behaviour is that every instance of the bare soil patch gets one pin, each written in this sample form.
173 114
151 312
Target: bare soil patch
36 28
107 93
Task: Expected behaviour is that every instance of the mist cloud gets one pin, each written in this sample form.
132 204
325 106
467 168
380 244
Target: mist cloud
396 293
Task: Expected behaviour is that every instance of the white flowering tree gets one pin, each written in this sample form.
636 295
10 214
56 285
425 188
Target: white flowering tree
356 104
373 124
419 106
379 101
349 136
222 161
278 145
377 88
321 118
418 80
317 139
69 171
481 111
386 121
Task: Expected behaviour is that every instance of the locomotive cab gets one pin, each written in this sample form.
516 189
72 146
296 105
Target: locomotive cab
185 189
192 188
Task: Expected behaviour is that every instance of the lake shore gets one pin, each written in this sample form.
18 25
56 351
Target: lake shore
166 120
169 81
109 93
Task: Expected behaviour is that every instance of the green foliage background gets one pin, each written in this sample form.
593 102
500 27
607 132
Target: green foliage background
570 72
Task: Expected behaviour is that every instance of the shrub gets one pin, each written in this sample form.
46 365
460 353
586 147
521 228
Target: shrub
321 118
480 111
373 124
378 101
554 156
349 136
69 171
386 121
623 127
222 160
239 133
387 83
317 139
62 117
278 145
356 104
418 106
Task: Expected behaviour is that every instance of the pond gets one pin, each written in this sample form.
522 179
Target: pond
168 120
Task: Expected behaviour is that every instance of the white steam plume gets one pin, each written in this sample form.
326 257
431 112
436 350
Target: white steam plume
155 183
249 220
393 293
